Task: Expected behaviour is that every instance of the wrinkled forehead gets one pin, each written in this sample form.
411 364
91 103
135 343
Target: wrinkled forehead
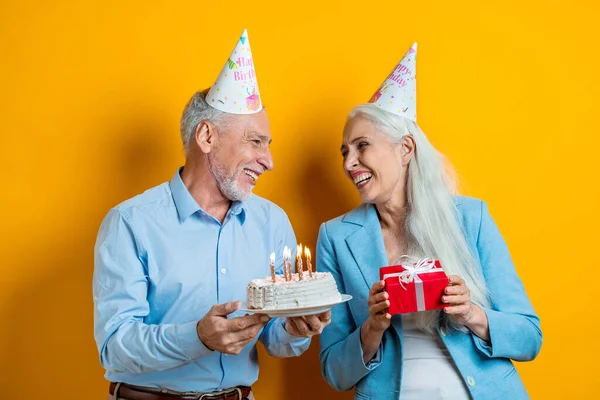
252 124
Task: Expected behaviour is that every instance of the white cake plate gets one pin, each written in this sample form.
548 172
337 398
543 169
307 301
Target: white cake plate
295 312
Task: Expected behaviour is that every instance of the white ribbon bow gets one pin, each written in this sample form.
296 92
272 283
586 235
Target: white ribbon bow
414 267
423 265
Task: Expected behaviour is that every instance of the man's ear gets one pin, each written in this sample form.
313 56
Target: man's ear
205 136
408 147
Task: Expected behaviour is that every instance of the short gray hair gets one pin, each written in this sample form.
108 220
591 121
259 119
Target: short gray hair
196 111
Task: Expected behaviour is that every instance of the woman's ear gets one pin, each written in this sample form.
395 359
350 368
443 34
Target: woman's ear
407 146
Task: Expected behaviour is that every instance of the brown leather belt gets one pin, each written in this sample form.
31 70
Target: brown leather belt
131 392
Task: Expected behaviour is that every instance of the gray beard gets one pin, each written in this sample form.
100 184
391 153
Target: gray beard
227 184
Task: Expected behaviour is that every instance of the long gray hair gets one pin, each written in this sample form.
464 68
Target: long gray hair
432 226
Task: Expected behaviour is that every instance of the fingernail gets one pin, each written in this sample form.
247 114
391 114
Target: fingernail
444 298
387 303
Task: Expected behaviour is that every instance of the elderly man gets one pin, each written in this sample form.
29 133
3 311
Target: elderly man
172 263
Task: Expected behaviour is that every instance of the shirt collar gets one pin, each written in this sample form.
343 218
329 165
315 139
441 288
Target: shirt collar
186 205
238 208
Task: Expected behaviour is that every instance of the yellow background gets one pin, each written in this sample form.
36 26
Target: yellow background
91 95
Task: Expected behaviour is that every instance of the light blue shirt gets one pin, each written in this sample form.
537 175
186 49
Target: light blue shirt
160 264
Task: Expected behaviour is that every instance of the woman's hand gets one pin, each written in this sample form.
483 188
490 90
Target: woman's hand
458 299
379 318
371 332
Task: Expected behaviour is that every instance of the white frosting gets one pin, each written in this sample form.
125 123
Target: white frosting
308 292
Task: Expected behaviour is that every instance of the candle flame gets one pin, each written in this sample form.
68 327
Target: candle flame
272 258
285 252
299 251
307 252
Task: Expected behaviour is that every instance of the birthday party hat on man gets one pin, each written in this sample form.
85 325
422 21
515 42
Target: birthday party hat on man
236 89
398 93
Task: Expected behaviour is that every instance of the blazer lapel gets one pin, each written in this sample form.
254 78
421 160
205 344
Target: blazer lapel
366 243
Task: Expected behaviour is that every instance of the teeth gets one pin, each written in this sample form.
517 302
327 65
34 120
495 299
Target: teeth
362 177
251 174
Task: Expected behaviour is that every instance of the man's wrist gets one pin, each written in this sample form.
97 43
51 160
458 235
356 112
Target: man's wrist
200 337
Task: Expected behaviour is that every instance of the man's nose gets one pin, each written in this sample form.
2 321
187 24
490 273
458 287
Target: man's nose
266 159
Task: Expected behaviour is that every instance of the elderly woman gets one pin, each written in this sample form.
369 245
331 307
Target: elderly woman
459 352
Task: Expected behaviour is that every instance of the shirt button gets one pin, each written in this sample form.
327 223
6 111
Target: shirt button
443 331
223 270
470 381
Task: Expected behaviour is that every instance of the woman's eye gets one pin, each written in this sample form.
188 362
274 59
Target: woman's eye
344 154
362 145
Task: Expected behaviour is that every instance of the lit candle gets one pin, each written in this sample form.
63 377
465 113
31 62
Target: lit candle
308 264
272 259
289 258
289 263
299 268
285 256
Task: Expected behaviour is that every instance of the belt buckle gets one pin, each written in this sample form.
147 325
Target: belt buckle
225 393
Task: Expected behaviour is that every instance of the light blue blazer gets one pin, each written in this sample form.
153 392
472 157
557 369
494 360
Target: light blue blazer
351 248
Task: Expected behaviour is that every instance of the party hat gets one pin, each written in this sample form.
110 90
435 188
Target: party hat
398 93
236 89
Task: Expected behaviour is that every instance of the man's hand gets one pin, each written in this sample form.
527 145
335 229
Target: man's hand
229 335
309 325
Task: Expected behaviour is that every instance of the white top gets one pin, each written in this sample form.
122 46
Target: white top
428 370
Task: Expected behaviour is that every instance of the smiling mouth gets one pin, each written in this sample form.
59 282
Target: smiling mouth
253 175
362 179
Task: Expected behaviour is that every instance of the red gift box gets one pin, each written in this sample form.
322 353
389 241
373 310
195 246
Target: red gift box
414 286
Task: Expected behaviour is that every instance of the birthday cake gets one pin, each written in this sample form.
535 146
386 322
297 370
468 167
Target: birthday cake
312 291
292 290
